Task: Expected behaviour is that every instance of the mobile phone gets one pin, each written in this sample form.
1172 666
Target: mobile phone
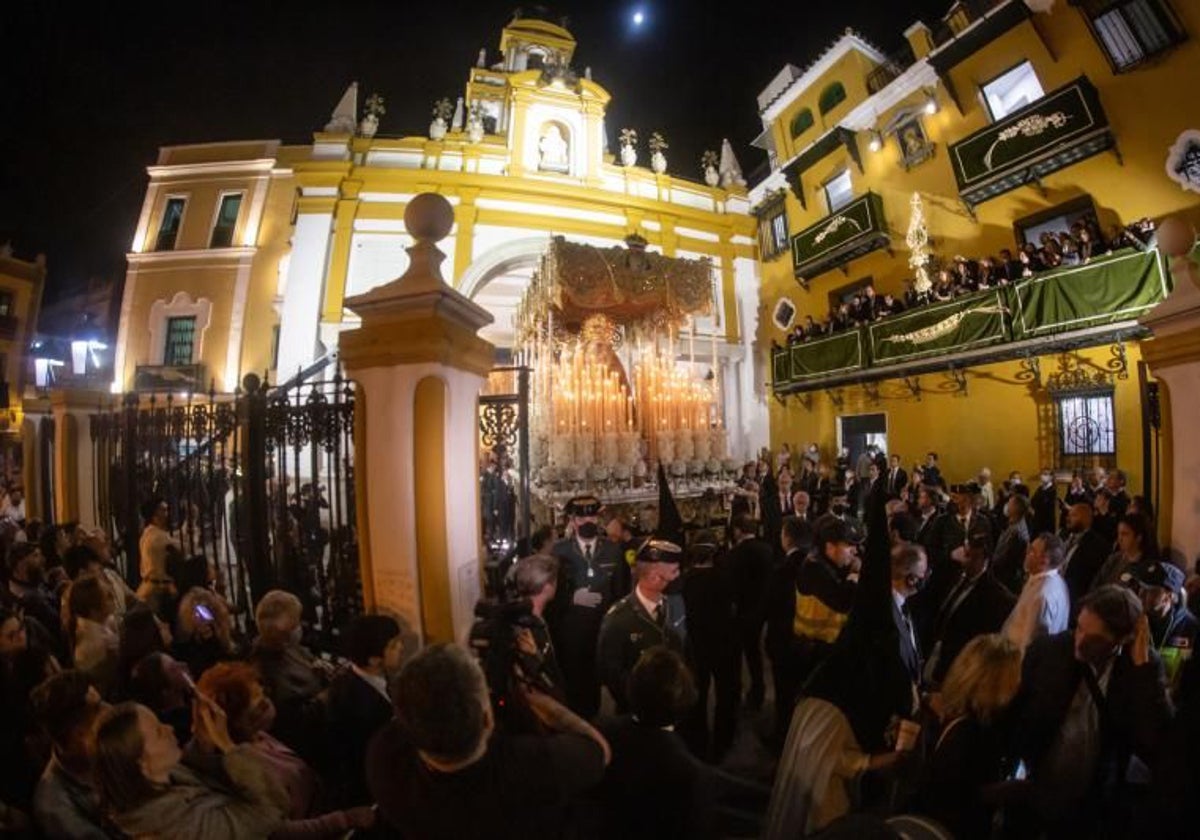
189 682
202 613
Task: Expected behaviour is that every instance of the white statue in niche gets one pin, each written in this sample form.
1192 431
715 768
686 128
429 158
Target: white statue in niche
552 148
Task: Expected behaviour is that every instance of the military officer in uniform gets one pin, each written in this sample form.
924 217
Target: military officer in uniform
641 620
592 577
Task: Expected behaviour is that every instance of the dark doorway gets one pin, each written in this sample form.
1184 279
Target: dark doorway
856 432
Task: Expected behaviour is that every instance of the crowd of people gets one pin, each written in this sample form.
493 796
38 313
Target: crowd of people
973 660
966 275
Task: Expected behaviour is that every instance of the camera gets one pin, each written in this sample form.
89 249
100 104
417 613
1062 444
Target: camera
493 639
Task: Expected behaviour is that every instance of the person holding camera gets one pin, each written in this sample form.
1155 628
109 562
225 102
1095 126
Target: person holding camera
592 576
441 769
536 579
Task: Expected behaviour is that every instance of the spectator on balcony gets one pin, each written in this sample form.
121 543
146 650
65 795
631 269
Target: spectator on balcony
943 287
811 328
1031 260
1008 268
1050 251
1068 247
966 275
891 306
987 273
912 298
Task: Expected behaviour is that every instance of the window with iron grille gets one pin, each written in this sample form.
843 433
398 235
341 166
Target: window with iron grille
227 215
6 304
168 228
181 341
1132 31
773 236
1086 424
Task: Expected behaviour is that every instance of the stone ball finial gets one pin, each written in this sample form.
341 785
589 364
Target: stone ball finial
1176 237
429 217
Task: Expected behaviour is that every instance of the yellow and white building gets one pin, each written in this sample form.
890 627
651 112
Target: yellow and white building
1090 97
246 252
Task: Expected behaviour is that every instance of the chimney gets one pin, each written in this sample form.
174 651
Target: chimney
920 39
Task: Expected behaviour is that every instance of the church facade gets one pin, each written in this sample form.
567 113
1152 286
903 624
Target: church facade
246 252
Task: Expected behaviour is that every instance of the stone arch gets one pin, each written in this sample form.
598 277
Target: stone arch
511 263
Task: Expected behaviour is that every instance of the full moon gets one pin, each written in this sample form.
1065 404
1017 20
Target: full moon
638 18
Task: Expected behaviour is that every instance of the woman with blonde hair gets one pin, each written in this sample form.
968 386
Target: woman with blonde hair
967 765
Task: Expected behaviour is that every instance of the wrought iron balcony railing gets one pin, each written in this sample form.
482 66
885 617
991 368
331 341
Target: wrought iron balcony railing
176 378
1071 306
849 232
1063 127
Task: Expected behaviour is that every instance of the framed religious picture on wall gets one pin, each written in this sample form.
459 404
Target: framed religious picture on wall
784 314
914 146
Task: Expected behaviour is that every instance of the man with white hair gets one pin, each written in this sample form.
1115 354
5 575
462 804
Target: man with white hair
987 491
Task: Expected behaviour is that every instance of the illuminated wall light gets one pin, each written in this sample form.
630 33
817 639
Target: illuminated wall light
876 141
931 103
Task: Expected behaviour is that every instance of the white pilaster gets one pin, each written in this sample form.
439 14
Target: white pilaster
304 293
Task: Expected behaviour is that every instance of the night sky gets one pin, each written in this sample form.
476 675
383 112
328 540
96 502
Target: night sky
92 90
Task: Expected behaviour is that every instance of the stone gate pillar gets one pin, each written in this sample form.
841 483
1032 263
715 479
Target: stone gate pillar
1174 358
419 366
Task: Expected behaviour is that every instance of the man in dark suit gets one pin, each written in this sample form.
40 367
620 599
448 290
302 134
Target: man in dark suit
1088 699
749 562
1044 504
927 515
777 504
897 478
592 577
977 604
1086 550
359 703
795 540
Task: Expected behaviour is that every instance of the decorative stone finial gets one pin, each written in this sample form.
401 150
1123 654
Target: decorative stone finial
1176 238
344 119
429 217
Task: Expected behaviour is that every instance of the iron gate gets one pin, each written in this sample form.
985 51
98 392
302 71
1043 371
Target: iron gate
260 484
504 462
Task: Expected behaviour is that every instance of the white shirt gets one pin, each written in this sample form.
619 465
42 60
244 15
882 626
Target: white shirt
1042 610
647 604
153 549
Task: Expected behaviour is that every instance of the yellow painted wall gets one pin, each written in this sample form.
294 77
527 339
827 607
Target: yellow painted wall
273 237
211 282
1001 422
1147 107
851 70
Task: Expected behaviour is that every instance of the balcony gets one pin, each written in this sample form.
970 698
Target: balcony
890 69
1070 307
177 378
854 230
1065 126
980 20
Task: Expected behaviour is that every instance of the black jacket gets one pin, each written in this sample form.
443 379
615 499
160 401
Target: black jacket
1135 720
897 483
1083 562
982 610
356 712
1044 507
626 632
749 564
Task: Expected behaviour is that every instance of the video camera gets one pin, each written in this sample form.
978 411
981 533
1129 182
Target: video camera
493 639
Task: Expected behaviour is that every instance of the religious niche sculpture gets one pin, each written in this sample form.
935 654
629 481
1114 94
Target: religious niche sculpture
914 146
1183 161
553 149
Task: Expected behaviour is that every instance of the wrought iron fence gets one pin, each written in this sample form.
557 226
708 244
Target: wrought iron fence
259 484
504 460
